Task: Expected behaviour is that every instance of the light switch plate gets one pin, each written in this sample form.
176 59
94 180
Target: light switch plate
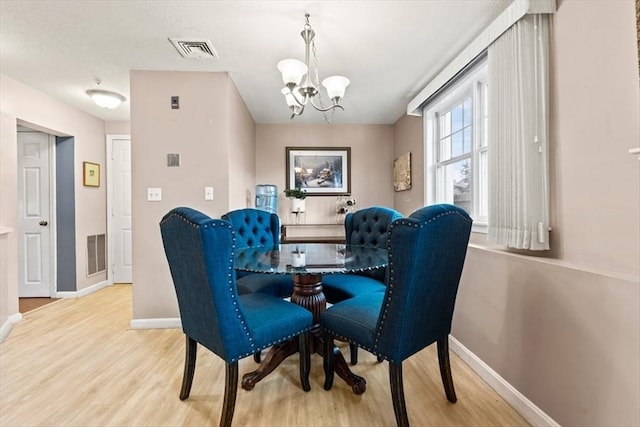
154 194
208 193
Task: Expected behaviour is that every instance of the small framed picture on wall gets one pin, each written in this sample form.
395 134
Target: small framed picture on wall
90 174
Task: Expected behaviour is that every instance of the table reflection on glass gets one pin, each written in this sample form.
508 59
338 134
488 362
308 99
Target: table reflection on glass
307 263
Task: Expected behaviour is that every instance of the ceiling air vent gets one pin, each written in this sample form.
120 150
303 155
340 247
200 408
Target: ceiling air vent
194 48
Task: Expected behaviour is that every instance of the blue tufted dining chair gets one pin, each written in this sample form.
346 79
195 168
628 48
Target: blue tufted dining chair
255 227
200 253
365 227
426 256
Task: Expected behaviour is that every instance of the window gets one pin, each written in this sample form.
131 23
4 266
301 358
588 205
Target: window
456 145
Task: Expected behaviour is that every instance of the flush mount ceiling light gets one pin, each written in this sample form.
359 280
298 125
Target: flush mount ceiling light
105 98
299 93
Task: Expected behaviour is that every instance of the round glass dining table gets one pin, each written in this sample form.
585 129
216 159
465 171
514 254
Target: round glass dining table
307 263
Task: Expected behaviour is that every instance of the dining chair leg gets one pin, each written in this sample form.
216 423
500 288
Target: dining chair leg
328 361
397 394
353 348
305 360
256 356
230 392
189 367
445 369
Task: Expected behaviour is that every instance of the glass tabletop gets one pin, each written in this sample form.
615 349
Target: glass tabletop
310 258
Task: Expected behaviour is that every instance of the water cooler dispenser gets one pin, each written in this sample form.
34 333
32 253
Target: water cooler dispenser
267 198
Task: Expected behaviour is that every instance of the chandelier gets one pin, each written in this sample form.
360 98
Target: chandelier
298 92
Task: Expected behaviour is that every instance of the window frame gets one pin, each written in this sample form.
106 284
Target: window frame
472 82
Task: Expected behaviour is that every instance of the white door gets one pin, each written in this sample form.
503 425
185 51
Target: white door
121 257
34 215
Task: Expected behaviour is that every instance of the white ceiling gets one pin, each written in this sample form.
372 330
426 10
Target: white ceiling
388 49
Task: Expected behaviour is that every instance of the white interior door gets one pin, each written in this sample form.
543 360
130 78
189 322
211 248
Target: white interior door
34 215
121 255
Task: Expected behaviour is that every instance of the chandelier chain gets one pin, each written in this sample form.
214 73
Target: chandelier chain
327 119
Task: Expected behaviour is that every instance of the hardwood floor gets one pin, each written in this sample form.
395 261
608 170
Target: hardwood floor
77 363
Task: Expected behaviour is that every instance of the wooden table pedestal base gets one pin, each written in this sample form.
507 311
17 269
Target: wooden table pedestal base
307 292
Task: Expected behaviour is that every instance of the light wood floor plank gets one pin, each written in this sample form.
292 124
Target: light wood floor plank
77 363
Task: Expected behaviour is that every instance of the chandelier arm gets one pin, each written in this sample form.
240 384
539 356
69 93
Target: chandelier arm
296 111
295 97
335 105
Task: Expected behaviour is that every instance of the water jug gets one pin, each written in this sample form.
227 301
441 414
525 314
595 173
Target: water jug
267 198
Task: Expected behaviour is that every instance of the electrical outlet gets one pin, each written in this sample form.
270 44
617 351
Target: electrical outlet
154 194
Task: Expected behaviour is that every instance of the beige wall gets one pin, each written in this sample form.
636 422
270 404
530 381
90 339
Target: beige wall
565 332
22 103
408 137
211 127
117 128
371 158
595 108
242 146
8 217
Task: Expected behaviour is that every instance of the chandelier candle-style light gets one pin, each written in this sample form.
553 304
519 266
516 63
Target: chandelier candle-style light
299 93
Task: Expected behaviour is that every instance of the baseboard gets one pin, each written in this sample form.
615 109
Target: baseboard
83 292
6 327
163 323
526 408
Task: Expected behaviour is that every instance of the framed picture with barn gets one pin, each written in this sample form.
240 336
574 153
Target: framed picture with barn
319 171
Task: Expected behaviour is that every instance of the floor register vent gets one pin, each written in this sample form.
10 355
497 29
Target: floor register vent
96 254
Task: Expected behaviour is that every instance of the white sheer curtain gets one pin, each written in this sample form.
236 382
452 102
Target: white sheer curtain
518 136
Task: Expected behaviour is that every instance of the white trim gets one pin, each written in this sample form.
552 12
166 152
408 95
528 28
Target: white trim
83 292
161 323
53 220
471 83
503 22
5 230
6 327
526 408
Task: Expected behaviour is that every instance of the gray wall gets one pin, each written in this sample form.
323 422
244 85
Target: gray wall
65 214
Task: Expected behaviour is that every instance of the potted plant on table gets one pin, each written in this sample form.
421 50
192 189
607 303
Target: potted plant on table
297 196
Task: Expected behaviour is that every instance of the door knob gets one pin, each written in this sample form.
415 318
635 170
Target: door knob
43 223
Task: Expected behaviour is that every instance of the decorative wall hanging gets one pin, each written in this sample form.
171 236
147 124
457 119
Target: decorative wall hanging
402 172
321 171
90 174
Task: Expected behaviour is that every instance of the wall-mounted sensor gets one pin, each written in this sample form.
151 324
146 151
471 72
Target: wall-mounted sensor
175 102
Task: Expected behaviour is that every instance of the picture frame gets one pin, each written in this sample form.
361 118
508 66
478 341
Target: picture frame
90 174
402 172
320 171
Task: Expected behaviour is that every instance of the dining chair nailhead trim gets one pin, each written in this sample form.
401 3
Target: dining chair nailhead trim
234 293
409 222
